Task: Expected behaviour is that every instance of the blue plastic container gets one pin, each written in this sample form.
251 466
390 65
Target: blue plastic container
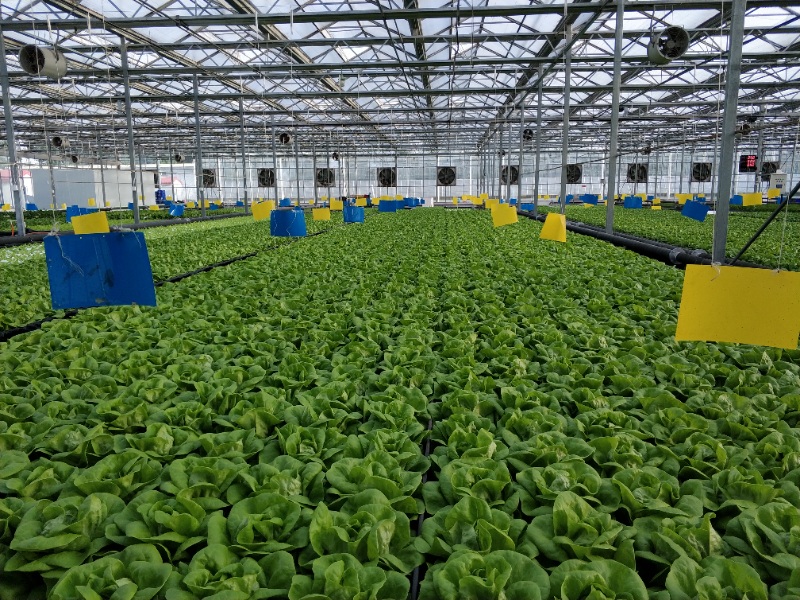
213 207
737 200
353 214
287 223
526 206
590 199
570 197
239 203
632 202
285 202
513 202
388 206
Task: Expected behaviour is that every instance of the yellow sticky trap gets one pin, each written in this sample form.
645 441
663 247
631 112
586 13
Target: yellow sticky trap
682 198
64 206
6 207
337 205
752 199
492 203
361 201
504 214
455 200
262 210
773 193
398 197
92 202
655 208
191 205
321 214
169 198
722 304
376 202
656 201
153 207
554 228
91 223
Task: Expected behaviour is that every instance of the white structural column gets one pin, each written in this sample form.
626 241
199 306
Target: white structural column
565 132
613 148
244 157
537 173
198 154
521 150
734 72
123 55
16 188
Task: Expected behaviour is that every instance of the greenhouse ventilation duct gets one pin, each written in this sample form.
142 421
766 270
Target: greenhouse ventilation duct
42 60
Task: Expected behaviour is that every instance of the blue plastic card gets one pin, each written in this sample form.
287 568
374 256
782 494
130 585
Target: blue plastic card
285 202
695 210
737 200
632 202
99 270
589 198
77 211
176 210
526 206
31 206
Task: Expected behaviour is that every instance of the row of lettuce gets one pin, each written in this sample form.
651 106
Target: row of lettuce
776 247
260 434
24 287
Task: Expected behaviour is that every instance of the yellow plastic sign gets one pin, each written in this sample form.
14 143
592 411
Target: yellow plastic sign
554 228
337 205
361 201
262 210
92 202
321 214
91 223
752 199
720 304
504 214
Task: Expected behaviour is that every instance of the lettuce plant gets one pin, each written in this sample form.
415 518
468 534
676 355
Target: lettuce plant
343 577
500 574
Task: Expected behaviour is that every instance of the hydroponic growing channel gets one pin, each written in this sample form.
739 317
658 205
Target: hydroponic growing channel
419 406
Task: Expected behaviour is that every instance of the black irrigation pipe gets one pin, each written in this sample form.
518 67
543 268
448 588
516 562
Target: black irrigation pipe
34 237
10 333
661 251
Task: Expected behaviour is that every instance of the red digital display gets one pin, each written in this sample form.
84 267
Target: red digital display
747 163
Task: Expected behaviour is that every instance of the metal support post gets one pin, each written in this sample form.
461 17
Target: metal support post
328 167
171 170
500 153
680 179
275 164
198 160
759 157
123 55
102 171
537 173
521 149
565 132
244 157
314 175
297 169
734 72
141 176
